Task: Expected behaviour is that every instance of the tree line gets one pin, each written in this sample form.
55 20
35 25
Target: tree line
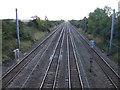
27 32
98 24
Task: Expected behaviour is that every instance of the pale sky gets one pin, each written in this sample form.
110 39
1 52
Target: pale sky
53 9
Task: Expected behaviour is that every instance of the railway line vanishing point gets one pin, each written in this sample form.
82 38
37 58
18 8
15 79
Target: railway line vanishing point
61 60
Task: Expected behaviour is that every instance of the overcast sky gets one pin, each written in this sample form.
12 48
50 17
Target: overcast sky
53 9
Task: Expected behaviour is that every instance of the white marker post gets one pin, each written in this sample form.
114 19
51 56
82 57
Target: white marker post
16 53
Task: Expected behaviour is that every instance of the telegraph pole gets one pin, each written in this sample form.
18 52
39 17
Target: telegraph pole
46 23
85 25
17 30
112 31
45 18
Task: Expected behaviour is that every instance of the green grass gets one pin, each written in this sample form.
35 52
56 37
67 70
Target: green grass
25 45
38 35
90 37
35 33
0 46
10 45
115 56
100 44
0 42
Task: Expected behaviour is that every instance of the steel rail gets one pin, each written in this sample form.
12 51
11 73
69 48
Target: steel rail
36 64
86 40
69 83
16 65
80 63
116 86
56 74
73 46
51 59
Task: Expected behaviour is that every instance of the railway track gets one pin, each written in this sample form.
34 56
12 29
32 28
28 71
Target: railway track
55 63
32 77
111 74
51 72
50 64
17 68
51 78
61 78
75 80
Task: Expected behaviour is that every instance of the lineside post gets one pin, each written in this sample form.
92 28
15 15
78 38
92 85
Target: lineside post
16 53
91 58
17 30
112 31
18 37
85 24
46 27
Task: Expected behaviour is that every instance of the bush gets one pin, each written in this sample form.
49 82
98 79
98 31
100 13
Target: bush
25 35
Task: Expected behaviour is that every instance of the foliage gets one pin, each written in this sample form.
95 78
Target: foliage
8 29
43 25
37 23
98 25
30 32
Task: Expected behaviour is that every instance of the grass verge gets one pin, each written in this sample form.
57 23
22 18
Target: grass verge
100 43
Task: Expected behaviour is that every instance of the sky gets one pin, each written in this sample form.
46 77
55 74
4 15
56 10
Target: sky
53 9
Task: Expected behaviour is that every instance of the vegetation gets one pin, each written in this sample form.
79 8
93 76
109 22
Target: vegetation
0 41
98 27
30 32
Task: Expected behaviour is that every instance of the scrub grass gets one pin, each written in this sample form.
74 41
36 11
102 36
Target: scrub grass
38 35
90 37
99 43
25 45
10 45
0 46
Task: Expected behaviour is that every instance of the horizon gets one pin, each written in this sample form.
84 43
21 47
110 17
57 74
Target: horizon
53 9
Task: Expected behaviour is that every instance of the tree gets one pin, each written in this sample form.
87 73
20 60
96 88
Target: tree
37 23
98 22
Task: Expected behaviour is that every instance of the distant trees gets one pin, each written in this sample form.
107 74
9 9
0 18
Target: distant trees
29 33
43 25
37 23
98 24
8 29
